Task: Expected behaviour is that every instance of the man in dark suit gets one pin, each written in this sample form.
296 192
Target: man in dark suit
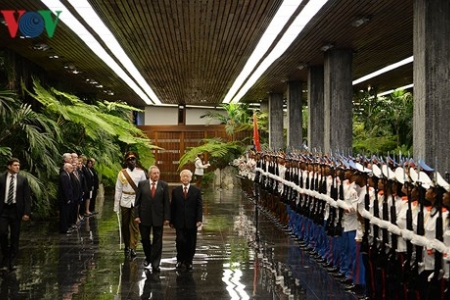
96 186
186 216
152 211
65 197
15 205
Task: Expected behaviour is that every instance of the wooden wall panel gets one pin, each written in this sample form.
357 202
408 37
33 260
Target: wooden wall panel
176 140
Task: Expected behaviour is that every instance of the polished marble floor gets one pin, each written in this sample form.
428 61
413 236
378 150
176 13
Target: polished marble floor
241 254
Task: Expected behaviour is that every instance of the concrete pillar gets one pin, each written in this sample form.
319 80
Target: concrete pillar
264 106
295 118
431 128
276 139
338 93
315 107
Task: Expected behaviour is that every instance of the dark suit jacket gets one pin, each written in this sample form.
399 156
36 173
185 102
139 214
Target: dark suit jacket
23 195
187 212
152 211
65 188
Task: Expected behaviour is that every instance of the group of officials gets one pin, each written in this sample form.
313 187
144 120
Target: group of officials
378 225
143 202
77 191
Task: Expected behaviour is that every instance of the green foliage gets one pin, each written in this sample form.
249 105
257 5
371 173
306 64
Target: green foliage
238 118
383 124
221 153
208 178
64 123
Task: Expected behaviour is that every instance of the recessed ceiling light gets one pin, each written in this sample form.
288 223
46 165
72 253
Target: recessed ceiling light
326 47
361 21
302 66
40 47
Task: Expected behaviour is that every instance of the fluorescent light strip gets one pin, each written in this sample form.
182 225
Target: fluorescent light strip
307 13
280 19
384 70
89 15
94 45
405 87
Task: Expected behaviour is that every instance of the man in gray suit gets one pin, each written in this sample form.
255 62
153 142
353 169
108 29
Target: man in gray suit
152 211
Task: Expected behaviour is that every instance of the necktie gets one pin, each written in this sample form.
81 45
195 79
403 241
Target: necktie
11 190
153 189
185 192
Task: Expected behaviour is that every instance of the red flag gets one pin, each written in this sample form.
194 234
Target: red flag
256 133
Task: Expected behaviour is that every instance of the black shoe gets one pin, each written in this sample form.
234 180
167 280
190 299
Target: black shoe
189 267
126 251
156 269
178 265
349 287
346 280
332 269
133 253
146 264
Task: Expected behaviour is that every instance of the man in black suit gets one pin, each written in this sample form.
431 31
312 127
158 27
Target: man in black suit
152 211
186 215
15 205
65 197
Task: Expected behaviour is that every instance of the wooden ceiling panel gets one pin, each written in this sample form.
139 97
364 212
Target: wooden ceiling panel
375 44
191 51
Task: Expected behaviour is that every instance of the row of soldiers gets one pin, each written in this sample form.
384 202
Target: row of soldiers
380 225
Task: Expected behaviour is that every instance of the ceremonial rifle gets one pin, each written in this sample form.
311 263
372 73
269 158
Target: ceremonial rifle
420 231
407 264
334 196
302 200
323 191
434 291
338 228
365 239
316 202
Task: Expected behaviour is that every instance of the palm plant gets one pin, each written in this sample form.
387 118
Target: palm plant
237 118
64 123
33 138
220 152
383 124
104 131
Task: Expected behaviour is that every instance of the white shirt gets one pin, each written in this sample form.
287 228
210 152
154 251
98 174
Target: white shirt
349 220
200 167
125 194
8 182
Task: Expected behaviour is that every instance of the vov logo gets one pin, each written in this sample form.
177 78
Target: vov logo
30 23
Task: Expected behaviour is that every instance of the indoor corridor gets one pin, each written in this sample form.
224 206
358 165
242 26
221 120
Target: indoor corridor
241 254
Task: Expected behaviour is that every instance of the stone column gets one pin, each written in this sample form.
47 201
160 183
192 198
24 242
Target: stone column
264 106
338 94
431 126
315 107
276 139
295 118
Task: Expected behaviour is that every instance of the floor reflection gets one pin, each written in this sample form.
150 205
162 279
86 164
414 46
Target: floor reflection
241 254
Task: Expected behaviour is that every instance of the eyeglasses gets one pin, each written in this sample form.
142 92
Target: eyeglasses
131 158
